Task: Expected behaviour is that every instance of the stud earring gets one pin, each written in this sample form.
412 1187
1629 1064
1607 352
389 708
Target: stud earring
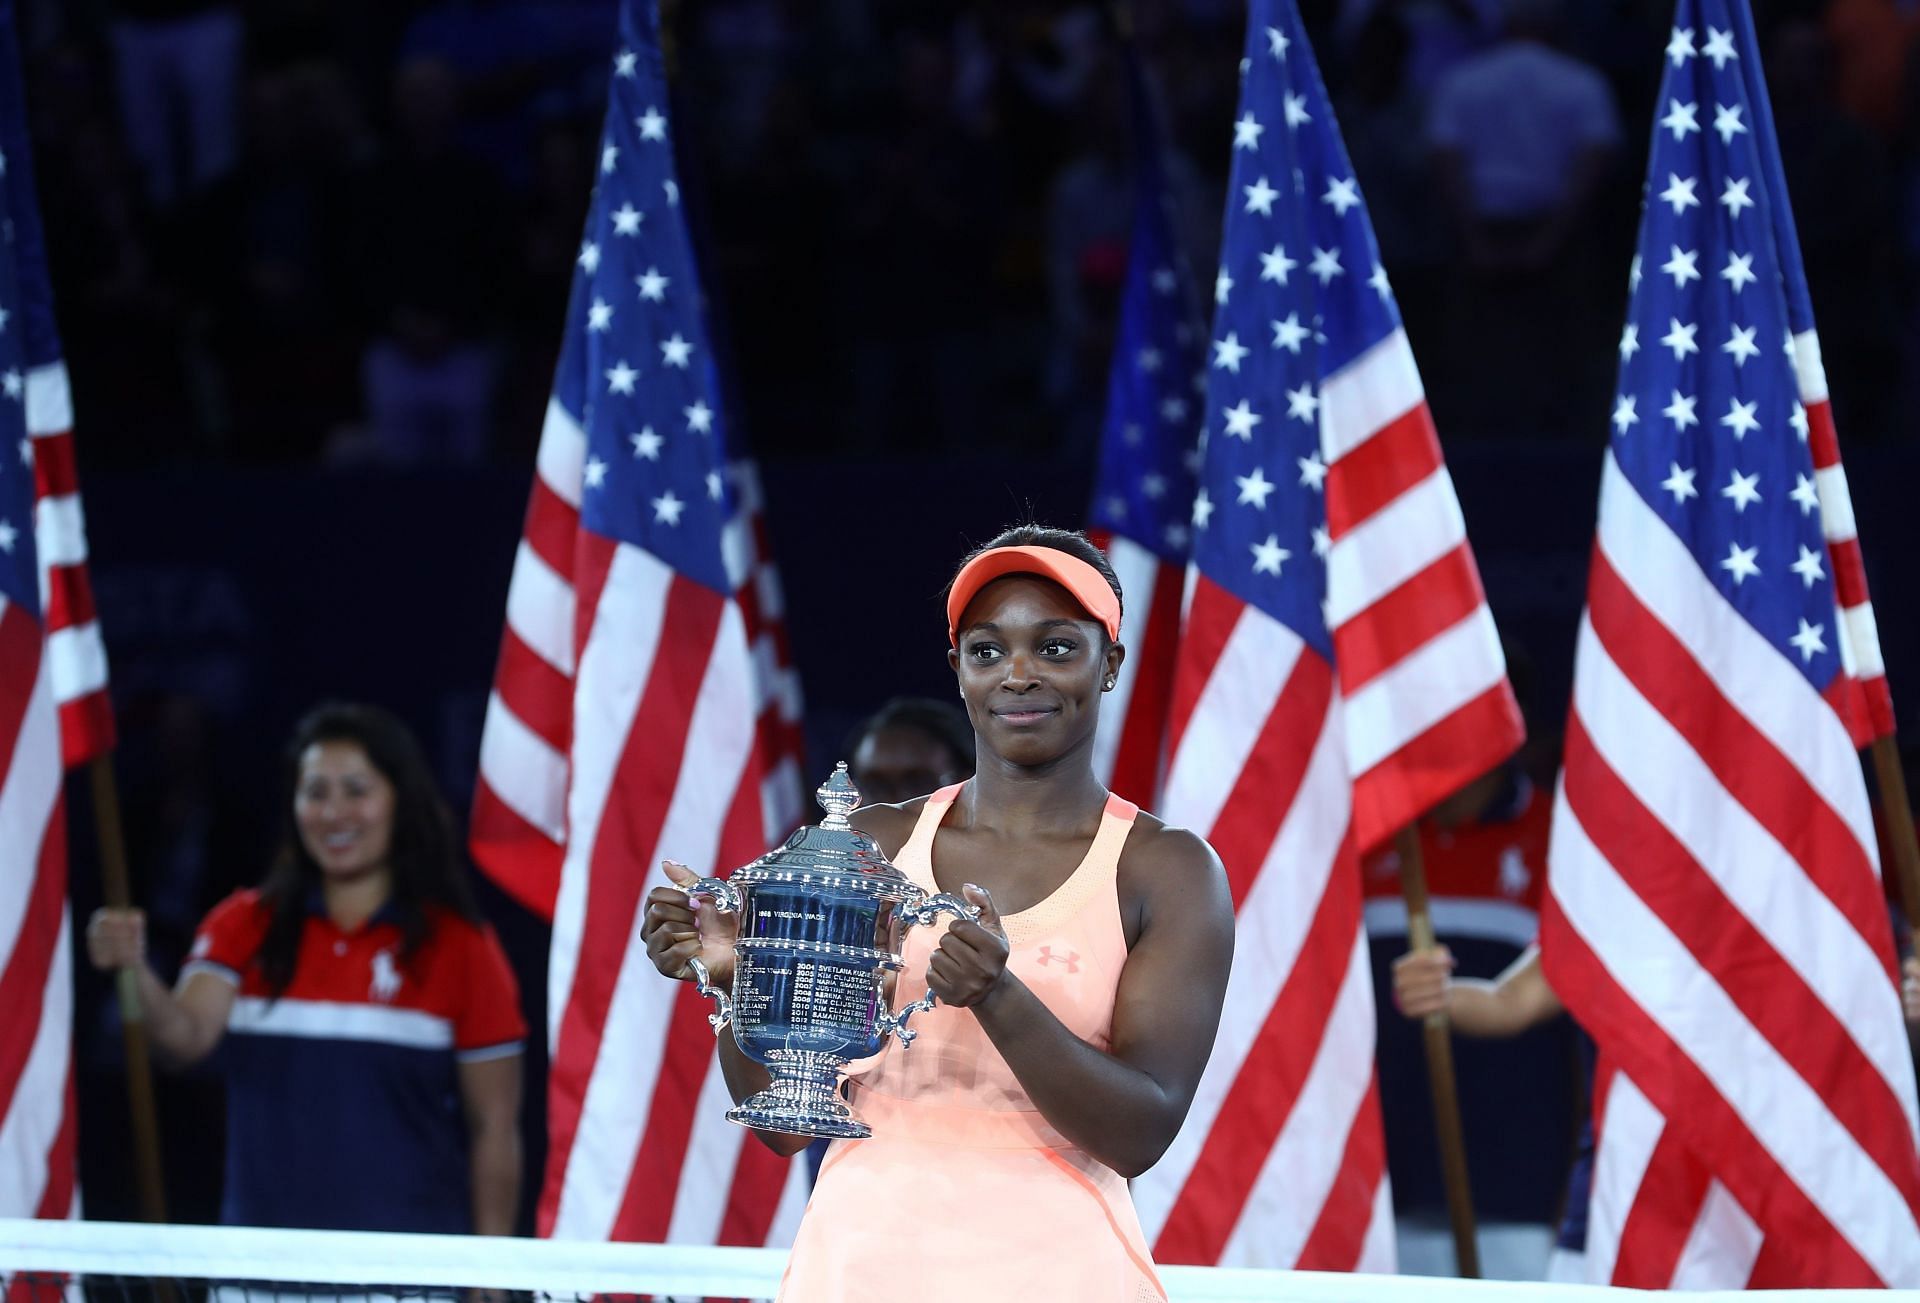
1109 684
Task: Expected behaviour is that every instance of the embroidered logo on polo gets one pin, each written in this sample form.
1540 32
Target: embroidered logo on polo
1515 876
386 977
1070 960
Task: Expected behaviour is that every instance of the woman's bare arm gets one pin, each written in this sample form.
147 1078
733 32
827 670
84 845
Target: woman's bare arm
490 1098
185 1024
1516 1001
1123 1105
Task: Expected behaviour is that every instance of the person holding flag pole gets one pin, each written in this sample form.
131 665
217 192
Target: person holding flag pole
1714 915
1338 674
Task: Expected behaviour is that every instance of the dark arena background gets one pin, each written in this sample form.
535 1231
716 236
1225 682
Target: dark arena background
312 339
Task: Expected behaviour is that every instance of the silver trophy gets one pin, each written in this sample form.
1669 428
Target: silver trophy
822 920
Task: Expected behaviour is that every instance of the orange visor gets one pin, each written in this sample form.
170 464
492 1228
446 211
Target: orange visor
1086 584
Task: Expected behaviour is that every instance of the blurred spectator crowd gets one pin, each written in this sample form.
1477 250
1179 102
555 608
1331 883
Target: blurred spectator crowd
289 231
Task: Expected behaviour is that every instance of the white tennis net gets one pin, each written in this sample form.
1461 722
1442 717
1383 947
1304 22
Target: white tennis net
112 1262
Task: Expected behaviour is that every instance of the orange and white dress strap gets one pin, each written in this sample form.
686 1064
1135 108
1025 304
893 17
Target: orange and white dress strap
965 1191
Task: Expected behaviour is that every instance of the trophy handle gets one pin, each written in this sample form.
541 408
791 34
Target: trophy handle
721 1016
724 895
895 1024
920 914
726 898
925 911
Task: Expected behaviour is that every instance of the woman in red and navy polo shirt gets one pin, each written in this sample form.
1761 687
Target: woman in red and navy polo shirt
368 1023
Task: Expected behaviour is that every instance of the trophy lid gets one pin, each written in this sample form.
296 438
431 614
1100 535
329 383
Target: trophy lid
832 851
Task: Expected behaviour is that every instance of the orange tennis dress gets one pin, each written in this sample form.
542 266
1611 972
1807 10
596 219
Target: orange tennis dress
964 1192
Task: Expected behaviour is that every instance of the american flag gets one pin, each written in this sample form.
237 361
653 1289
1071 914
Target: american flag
1714 916
643 708
1148 459
1856 636
53 690
1339 672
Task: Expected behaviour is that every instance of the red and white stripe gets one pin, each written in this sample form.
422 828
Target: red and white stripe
1128 749
54 712
519 822
1871 715
1683 1227
1715 919
627 724
1291 767
518 830
76 654
36 963
1281 1162
1428 706
763 604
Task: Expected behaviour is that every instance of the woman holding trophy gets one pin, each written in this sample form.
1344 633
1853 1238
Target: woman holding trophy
1075 1010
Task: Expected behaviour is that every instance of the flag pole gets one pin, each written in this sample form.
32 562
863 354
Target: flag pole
1441 1082
1891 777
118 891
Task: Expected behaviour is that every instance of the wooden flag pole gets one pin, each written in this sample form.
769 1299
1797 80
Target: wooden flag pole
1440 1077
118 890
1892 780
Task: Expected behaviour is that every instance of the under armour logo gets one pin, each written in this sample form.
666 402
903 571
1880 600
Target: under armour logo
386 978
1071 960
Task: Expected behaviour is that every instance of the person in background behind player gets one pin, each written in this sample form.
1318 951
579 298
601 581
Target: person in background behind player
371 1025
909 747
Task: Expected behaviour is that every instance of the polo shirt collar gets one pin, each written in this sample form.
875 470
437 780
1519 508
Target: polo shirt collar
388 913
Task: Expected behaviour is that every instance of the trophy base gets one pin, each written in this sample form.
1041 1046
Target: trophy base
847 1128
803 1099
